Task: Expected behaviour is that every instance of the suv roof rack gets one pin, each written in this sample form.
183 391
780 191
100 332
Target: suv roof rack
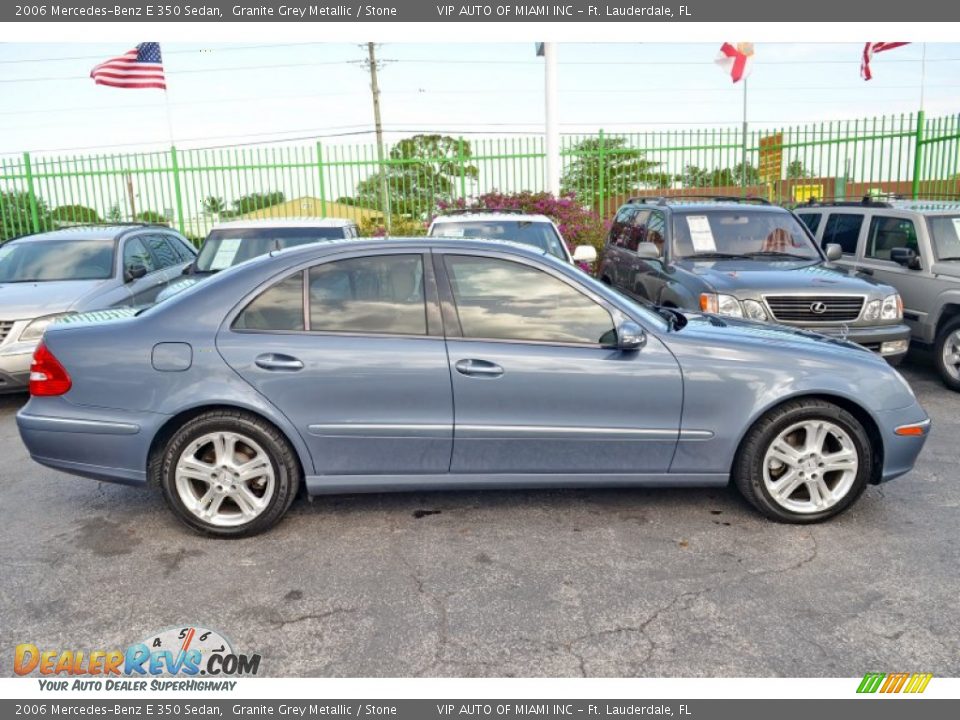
887 201
667 199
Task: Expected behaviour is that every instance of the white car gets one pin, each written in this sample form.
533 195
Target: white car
536 230
231 243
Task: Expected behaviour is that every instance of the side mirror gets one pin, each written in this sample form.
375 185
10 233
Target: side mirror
905 256
648 251
834 251
585 254
630 336
135 272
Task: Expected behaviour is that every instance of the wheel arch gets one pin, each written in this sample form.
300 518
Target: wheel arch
170 426
864 416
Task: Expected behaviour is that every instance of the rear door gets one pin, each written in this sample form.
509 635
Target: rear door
885 232
538 387
143 290
351 350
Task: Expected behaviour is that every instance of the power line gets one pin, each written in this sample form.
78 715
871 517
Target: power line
230 48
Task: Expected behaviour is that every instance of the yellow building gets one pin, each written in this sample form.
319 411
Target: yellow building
315 207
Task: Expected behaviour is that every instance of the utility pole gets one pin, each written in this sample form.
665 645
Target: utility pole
552 120
378 125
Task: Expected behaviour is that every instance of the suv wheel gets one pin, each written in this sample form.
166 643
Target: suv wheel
804 462
946 354
229 474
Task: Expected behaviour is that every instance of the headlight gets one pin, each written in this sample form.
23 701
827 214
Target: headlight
754 310
34 331
720 304
892 308
872 311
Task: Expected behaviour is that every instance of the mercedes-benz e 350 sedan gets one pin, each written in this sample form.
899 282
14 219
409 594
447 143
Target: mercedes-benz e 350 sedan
427 363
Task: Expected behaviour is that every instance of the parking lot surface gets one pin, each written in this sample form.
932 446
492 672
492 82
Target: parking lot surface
563 583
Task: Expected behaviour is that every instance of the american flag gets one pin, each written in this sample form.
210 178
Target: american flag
869 49
141 67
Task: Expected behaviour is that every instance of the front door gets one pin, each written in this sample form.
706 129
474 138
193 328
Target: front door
538 386
362 375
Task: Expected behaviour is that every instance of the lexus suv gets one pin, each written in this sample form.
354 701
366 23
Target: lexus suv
915 246
745 258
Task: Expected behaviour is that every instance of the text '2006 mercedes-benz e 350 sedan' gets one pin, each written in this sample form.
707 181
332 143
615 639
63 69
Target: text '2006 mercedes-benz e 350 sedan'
428 363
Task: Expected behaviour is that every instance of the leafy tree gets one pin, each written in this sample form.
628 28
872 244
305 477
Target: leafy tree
693 177
796 170
75 214
624 169
214 205
257 201
421 170
151 216
16 215
114 214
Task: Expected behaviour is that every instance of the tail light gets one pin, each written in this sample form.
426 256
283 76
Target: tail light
47 376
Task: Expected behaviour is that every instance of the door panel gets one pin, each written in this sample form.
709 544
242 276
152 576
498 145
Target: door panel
883 234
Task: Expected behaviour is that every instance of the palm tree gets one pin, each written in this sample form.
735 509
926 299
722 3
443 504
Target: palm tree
213 205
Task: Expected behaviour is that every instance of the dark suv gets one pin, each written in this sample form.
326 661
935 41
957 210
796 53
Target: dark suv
744 257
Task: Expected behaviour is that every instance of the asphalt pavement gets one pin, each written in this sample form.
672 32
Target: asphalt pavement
522 583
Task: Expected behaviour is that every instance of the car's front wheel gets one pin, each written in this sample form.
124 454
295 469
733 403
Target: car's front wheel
803 462
229 474
946 354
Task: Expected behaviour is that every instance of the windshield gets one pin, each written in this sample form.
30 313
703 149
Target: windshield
225 248
741 233
52 260
539 234
945 232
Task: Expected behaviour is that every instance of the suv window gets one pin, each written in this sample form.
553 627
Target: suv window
503 300
136 253
887 233
163 251
635 233
280 307
184 250
844 230
377 294
811 220
656 226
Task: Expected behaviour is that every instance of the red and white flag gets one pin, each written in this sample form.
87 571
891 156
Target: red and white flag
869 49
141 67
736 60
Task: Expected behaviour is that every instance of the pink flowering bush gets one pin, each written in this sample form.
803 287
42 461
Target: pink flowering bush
578 224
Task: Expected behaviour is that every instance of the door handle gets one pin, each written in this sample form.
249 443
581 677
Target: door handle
478 368
273 361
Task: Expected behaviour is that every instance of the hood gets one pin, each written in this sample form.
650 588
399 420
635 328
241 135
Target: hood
28 300
951 269
714 329
780 275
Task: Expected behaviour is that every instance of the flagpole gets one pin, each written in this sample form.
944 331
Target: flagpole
743 160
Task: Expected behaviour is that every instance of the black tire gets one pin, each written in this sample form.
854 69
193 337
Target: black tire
948 329
282 458
748 465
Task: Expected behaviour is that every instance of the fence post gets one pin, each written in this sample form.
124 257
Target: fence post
34 213
917 156
323 188
602 164
175 164
463 169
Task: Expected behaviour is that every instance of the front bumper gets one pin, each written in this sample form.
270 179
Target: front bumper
15 359
900 452
890 341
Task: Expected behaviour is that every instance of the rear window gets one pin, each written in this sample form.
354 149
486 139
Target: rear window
811 220
844 230
53 260
538 234
226 248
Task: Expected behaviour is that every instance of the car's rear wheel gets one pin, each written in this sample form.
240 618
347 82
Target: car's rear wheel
229 474
946 354
803 462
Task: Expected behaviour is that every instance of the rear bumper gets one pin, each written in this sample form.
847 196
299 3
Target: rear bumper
900 452
107 445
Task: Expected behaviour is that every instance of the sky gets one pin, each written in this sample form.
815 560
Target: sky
226 94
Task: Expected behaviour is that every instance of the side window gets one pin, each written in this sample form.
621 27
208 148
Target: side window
656 226
376 294
184 251
135 253
887 233
503 300
843 229
811 220
279 307
636 231
162 251
621 223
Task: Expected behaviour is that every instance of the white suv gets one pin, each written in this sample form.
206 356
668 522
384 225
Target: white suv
536 230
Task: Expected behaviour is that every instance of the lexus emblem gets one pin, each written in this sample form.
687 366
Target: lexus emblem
818 308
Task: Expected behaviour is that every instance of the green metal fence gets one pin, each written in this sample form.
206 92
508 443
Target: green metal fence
909 155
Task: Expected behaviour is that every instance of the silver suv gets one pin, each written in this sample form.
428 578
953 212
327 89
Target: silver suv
913 245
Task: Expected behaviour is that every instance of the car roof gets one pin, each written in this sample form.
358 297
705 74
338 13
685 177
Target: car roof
497 216
419 243
680 205
88 232
289 222
922 207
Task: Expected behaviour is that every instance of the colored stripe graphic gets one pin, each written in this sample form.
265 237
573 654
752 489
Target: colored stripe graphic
894 682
